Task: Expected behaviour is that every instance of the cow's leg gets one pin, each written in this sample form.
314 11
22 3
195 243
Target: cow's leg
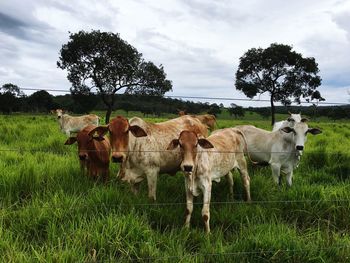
152 184
68 133
189 204
206 183
276 173
229 177
105 174
135 188
289 177
243 170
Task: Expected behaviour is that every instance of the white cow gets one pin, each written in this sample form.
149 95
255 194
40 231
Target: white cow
207 160
279 149
292 119
69 124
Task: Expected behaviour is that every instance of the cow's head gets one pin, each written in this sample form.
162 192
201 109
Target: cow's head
83 138
188 143
119 129
58 112
294 118
300 131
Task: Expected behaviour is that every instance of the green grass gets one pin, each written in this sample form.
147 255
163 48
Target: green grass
49 212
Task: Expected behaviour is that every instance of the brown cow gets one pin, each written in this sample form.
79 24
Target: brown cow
93 152
146 156
223 151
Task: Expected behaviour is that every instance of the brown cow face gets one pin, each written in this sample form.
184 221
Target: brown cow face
188 142
119 129
83 139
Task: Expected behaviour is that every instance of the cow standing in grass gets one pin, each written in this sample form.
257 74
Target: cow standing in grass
279 149
93 152
140 147
69 124
290 122
207 160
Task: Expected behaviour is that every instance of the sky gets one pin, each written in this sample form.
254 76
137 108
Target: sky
199 42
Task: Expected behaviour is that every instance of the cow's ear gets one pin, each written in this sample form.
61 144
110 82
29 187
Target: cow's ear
204 143
173 144
314 131
100 130
53 111
137 131
287 129
70 140
304 119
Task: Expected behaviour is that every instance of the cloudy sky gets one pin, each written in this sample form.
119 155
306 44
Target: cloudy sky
199 42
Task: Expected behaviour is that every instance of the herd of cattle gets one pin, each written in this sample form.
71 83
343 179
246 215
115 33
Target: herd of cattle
145 150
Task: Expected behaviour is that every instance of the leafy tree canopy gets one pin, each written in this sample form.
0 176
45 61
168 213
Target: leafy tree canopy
104 61
285 74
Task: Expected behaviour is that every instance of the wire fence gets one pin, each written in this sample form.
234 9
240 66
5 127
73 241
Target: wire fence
199 97
171 151
237 253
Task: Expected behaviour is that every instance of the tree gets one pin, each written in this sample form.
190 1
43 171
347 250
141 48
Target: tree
214 109
281 72
40 101
104 61
84 100
9 97
236 110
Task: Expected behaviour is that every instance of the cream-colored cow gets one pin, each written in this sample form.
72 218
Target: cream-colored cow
207 160
69 124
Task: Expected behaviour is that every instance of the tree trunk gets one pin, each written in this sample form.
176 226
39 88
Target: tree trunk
272 111
108 113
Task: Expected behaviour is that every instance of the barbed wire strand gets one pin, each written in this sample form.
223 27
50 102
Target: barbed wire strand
241 202
238 253
162 151
198 97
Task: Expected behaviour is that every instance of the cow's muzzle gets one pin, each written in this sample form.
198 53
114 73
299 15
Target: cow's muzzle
299 147
188 168
117 159
82 157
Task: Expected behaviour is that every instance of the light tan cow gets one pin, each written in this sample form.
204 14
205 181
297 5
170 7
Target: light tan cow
280 149
207 160
140 147
69 124
207 119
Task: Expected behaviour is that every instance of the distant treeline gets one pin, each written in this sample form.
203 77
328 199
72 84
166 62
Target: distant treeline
332 112
42 101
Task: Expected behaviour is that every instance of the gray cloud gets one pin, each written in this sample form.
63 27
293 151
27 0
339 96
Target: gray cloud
198 42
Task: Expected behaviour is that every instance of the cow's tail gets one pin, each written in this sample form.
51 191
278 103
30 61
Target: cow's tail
245 145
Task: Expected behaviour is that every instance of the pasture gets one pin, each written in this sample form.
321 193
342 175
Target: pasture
49 212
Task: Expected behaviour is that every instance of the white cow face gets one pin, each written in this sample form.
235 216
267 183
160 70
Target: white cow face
294 118
300 131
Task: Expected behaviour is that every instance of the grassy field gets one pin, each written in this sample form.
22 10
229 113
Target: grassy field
49 212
